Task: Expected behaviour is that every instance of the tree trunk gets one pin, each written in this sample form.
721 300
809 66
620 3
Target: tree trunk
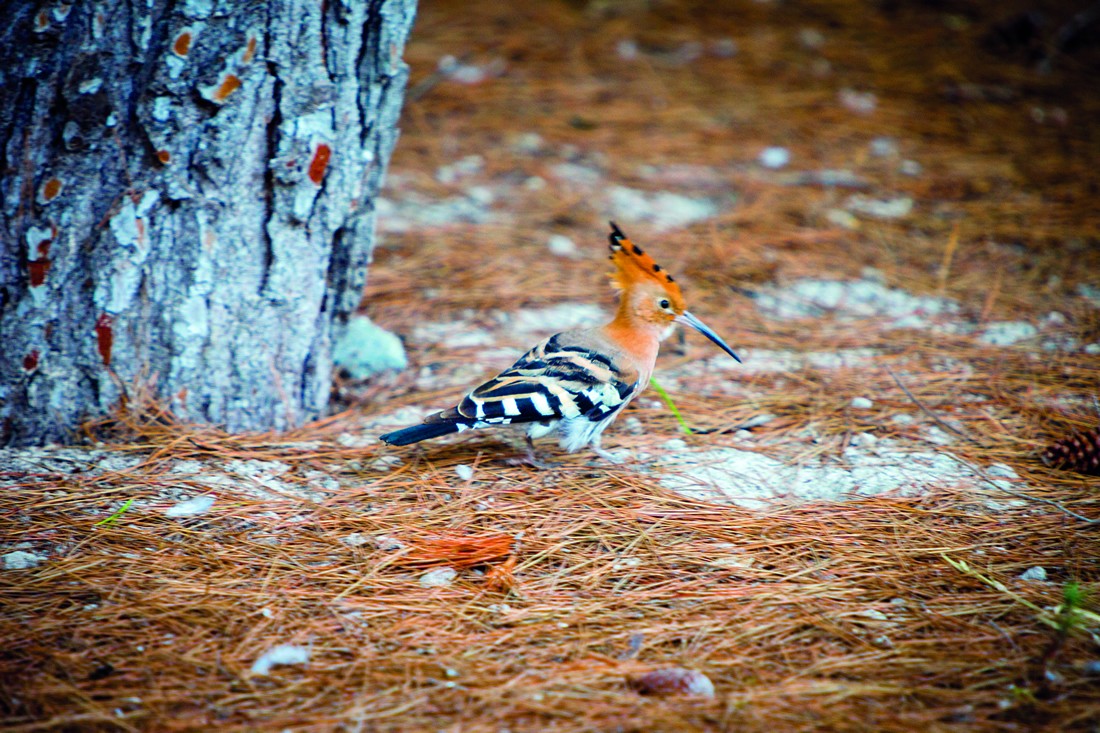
187 202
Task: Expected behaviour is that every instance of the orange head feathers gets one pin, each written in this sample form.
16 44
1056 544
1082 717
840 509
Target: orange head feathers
634 267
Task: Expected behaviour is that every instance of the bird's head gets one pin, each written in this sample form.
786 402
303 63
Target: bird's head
649 293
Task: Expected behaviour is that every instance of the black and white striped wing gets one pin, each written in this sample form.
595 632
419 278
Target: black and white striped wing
550 382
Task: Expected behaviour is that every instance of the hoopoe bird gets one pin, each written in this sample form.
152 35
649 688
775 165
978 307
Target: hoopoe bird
577 382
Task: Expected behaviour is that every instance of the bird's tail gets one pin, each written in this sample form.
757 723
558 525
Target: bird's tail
417 433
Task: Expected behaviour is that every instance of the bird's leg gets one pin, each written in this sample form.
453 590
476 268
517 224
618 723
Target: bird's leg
606 455
531 457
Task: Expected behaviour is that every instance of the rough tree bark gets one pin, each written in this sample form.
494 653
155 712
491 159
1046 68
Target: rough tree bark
187 201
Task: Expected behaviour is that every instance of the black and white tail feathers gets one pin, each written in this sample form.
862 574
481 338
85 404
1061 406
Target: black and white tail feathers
417 433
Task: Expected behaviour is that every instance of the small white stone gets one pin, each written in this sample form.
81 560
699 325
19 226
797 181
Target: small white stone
364 349
528 143
884 147
385 463
1092 348
811 38
561 246
724 48
910 168
438 578
20 560
895 208
387 543
282 654
627 49
1037 573
863 103
354 540
862 403
191 507
774 157
864 440
743 435
464 472
873 613
674 444
481 195
842 219
758 421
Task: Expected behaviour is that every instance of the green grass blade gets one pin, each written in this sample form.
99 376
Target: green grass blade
111 519
671 406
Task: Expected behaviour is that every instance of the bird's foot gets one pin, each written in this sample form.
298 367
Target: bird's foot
530 458
607 455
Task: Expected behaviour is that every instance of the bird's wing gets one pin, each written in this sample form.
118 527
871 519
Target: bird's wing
553 380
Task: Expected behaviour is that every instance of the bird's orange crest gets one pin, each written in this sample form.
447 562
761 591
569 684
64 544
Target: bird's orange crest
633 265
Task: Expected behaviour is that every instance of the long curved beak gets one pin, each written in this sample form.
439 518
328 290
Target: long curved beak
690 320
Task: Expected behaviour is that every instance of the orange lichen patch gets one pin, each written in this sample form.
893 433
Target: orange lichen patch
458 551
30 361
41 21
49 190
37 270
164 157
319 164
249 51
229 84
182 45
104 335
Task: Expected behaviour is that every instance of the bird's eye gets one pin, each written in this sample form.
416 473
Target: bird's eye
664 304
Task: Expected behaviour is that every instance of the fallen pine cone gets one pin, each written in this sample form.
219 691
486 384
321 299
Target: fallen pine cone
1080 452
672 681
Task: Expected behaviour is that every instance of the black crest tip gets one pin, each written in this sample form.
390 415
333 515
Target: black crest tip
616 236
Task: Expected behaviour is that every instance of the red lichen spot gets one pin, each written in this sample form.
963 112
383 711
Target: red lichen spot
164 157
30 361
230 83
50 190
182 45
44 248
37 270
41 21
105 337
319 163
249 51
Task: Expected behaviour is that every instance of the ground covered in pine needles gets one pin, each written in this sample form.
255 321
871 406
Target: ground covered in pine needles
911 277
